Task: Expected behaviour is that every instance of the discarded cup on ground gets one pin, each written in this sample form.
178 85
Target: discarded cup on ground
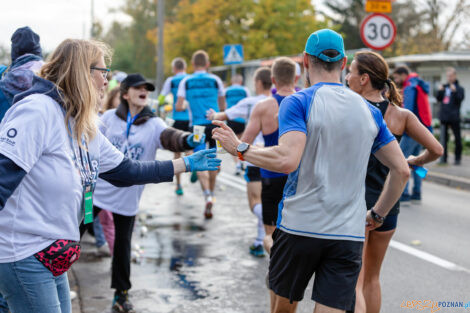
198 131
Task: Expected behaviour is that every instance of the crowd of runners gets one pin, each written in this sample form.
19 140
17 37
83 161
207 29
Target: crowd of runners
323 165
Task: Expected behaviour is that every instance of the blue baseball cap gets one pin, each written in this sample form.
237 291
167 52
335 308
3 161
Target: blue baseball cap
325 39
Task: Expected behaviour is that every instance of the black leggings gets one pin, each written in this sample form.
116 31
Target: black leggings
121 264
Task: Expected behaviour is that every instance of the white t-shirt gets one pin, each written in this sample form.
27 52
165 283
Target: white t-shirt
142 145
46 205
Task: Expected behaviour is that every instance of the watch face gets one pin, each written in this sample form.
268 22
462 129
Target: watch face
242 147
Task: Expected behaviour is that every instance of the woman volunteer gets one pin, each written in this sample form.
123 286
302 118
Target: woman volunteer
51 154
134 130
369 77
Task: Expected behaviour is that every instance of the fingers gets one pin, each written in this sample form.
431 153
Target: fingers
221 125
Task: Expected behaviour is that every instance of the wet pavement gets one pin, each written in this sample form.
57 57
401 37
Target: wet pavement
189 264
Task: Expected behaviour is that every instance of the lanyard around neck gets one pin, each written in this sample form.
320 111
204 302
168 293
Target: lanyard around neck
130 121
84 168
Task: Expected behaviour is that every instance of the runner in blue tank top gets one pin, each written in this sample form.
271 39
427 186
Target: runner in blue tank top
264 119
203 91
181 117
233 95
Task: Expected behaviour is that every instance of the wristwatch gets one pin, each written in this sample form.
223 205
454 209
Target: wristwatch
377 218
241 149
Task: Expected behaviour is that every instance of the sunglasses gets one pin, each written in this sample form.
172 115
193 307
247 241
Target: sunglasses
104 71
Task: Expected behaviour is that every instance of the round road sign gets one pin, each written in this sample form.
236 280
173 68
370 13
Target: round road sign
378 31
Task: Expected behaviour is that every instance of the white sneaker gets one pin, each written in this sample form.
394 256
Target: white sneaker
208 210
73 295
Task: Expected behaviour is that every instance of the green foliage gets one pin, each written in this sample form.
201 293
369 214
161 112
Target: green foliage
266 28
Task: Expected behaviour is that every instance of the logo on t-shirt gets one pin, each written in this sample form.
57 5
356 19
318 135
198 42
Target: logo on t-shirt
11 133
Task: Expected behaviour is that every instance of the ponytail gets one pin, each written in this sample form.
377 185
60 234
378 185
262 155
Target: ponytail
393 94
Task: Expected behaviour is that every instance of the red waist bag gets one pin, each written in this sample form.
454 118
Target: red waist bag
59 256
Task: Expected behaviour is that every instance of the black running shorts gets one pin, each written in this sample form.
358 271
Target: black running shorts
208 132
271 194
182 125
336 264
252 174
237 127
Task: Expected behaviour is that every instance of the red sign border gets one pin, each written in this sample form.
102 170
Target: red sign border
363 24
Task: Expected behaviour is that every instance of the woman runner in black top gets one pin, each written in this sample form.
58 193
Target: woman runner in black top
369 77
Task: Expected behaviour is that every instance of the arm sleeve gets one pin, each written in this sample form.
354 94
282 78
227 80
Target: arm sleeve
110 157
460 94
239 110
440 95
129 173
384 136
174 140
25 131
220 86
293 115
166 87
182 88
11 175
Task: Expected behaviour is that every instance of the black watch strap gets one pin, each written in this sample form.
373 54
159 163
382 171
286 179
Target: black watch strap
379 219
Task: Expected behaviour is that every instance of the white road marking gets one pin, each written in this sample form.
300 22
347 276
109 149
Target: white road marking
240 184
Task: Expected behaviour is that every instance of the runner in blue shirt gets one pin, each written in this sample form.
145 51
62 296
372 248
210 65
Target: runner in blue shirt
326 134
203 91
264 120
181 118
233 95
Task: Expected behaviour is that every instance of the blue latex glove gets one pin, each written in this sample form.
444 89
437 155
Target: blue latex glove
190 140
204 160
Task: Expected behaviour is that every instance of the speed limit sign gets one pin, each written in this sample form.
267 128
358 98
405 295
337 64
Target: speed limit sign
378 31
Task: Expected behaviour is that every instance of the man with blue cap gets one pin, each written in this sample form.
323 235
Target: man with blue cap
326 134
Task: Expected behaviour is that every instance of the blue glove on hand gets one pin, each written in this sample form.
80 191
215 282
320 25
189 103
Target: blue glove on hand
204 160
190 140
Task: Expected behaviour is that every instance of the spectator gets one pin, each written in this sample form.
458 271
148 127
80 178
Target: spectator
415 98
450 96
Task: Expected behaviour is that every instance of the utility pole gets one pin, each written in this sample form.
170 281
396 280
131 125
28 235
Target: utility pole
160 57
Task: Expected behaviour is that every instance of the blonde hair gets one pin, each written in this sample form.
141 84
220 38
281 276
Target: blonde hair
68 67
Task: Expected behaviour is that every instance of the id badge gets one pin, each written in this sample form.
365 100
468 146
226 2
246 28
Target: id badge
88 205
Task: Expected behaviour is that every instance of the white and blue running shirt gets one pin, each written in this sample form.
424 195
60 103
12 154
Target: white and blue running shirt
201 90
324 197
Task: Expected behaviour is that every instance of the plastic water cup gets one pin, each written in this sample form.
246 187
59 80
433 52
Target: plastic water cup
169 121
420 171
220 149
198 131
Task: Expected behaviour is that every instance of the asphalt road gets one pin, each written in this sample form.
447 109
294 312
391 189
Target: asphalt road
192 265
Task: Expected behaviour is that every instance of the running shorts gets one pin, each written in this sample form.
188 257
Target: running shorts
237 127
252 174
272 190
336 264
182 125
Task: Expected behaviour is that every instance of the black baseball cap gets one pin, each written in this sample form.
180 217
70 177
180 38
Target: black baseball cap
134 80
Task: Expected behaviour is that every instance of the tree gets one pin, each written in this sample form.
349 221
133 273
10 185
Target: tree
422 26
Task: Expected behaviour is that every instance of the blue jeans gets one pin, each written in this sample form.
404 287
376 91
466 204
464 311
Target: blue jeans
28 286
98 230
3 305
410 147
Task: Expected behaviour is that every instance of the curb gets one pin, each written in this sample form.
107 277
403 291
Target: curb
449 180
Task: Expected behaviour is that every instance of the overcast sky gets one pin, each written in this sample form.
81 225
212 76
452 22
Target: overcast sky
56 20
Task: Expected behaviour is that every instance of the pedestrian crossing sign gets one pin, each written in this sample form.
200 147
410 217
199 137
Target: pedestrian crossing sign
233 54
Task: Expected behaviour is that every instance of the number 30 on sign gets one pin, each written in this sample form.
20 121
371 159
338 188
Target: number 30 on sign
378 31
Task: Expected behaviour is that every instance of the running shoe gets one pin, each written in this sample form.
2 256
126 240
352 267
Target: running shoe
193 178
121 303
415 198
208 210
257 250
179 190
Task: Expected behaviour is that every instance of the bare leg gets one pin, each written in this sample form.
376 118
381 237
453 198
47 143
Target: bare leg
178 176
204 180
360 300
282 305
374 256
212 179
268 239
253 191
320 308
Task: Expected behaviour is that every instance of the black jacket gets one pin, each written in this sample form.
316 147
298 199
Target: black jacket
450 112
